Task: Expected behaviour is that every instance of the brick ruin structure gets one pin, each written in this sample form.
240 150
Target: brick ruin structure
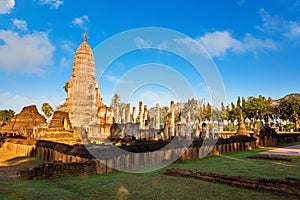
28 123
81 118
83 114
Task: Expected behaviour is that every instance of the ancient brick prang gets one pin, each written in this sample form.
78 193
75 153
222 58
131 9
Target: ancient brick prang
26 123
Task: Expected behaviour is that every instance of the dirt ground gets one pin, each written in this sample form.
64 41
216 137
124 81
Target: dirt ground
11 164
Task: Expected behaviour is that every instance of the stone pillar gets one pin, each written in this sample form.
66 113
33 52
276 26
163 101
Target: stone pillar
157 120
188 129
145 116
172 123
141 114
166 127
133 115
117 115
128 113
123 117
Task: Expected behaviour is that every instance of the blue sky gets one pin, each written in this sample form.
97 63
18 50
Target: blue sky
254 44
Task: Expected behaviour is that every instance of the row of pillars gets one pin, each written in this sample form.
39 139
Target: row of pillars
142 118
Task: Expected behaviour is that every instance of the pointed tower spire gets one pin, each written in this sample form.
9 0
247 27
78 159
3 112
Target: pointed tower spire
84 35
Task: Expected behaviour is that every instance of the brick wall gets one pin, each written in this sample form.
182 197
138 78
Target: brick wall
59 169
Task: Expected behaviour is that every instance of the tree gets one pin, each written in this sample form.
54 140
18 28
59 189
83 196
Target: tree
233 113
208 111
115 101
238 102
192 105
289 108
6 115
47 109
66 86
258 107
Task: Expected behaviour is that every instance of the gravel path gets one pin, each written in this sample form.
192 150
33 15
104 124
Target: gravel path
288 151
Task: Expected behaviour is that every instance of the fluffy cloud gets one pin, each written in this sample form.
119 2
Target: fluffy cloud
218 43
52 3
28 53
192 45
20 24
16 102
81 21
142 43
6 6
252 44
68 53
273 24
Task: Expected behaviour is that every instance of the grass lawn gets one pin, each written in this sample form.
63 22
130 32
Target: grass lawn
154 185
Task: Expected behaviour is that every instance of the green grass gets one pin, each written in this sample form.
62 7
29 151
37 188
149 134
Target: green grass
154 185
289 144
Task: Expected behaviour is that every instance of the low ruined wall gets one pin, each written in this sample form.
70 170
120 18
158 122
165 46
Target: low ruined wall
51 151
129 161
282 138
46 150
59 169
144 154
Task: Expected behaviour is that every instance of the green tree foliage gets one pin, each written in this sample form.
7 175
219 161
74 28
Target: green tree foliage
258 107
238 102
163 113
207 111
6 115
192 105
232 113
66 87
47 109
289 108
116 102
219 114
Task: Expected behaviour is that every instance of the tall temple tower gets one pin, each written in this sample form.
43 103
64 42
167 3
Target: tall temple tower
83 101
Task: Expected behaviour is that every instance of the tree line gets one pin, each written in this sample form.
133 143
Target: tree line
257 111
281 113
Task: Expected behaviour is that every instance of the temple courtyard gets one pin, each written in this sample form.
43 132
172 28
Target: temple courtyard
159 185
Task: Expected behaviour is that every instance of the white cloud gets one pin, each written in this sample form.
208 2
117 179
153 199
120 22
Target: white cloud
142 43
20 24
112 78
52 3
6 6
273 24
218 42
81 21
192 45
251 43
68 46
28 53
68 53
293 30
270 24
16 102
65 62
